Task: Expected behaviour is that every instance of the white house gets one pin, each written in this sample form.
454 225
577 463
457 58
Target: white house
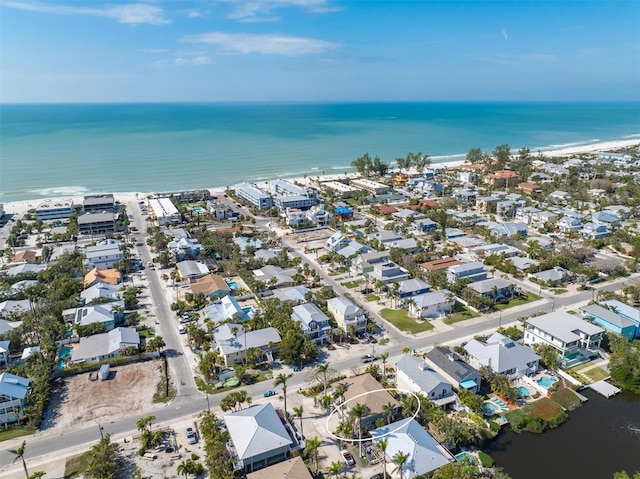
502 355
413 374
105 345
347 314
104 254
431 305
14 391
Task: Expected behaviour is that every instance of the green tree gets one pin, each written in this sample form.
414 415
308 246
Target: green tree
334 469
155 343
474 155
382 446
362 164
357 412
282 379
312 446
400 459
103 459
455 470
19 453
502 153
297 412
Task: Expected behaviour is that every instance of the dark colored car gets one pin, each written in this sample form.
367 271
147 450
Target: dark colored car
269 393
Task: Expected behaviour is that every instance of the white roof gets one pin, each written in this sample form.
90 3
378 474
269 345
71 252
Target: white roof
344 305
105 343
13 386
227 308
501 353
564 326
256 430
409 437
252 339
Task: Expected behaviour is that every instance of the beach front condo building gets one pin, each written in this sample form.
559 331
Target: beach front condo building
344 191
293 201
55 209
97 222
251 193
286 188
372 187
164 211
104 202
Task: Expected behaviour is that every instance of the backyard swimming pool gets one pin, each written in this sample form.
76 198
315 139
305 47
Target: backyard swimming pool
546 382
249 311
465 456
524 391
490 409
197 210
233 285
64 352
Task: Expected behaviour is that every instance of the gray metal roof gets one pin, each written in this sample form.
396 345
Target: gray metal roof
608 315
420 373
501 353
344 306
563 326
486 285
450 363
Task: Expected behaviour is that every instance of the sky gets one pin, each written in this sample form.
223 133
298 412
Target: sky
318 50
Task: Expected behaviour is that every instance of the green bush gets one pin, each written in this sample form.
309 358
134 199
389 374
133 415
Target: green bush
494 426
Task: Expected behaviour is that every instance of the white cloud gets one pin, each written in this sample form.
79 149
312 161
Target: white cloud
262 10
182 61
133 13
264 44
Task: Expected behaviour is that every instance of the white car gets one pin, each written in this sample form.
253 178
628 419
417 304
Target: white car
348 458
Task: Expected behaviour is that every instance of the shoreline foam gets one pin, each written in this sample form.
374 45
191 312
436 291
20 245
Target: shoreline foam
21 207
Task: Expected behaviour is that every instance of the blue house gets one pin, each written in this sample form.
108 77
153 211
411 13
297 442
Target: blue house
610 320
425 224
625 311
413 287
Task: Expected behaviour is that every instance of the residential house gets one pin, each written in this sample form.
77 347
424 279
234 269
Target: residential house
502 355
267 255
364 263
465 195
566 333
389 272
14 307
184 248
606 218
4 352
425 225
551 276
625 311
226 308
336 242
245 242
502 230
525 214
274 276
451 233
7 326
108 276
413 287
220 211
487 204
233 347
313 321
258 436
26 268
610 320
375 401
407 436
413 374
559 196
99 292
293 293
502 178
529 188
26 256
473 271
408 245
622 211
14 394
568 224
466 243
352 250
291 469
454 369
495 288
523 264
104 254
349 316
105 345
497 249
191 270
439 264
105 313
595 231
431 305
384 237
211 285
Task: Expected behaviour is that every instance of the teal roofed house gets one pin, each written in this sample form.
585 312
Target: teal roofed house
626 311
610 320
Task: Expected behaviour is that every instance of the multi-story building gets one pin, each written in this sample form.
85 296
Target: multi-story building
97 222
164 211
473 271
55 209
347 314
372 187
313 321
14 393
104 254
98 203
251 193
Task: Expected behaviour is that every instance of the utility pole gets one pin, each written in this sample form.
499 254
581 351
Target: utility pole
101 431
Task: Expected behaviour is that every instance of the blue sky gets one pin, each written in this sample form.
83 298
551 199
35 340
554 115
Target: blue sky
318 50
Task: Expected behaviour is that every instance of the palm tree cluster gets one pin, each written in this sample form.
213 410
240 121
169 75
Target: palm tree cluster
191 466
234 401
218 460
148 437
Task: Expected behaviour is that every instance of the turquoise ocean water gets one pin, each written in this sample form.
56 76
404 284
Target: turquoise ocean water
57 150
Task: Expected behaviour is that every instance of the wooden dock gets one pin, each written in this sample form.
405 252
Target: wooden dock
605 389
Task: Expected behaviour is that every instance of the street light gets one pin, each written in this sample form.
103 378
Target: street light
101 431
208 405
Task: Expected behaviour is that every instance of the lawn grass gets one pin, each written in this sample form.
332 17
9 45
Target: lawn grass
582 366
401 320
485 459
372 297
596 374
13 433
76 465
460 316
537 417
524 298
566 398
544 408
352 284
558 290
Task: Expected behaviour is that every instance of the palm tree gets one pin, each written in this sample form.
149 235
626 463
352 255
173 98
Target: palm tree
338 394
334 469
358 411
383 358
297 412
311 449
282 378
389 410
19 452
323 369
400 459
382 445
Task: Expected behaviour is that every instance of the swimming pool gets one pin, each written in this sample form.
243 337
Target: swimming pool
490 409
546 382
524 391
233 285
249 311
65 352
197 210
466 457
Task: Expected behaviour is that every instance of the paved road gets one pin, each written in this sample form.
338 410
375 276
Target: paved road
190 402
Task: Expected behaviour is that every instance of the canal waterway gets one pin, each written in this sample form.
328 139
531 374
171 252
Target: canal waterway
600 437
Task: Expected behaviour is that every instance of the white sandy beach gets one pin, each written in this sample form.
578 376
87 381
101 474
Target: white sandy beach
19 208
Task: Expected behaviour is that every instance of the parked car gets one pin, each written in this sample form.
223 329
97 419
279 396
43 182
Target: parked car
191 436
348 458
377 476
269 393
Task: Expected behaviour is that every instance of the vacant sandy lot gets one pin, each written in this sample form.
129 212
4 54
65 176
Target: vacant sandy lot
77 400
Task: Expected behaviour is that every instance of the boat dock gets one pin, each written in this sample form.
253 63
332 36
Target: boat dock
605 389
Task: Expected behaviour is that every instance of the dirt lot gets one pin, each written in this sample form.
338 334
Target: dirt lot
77 400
